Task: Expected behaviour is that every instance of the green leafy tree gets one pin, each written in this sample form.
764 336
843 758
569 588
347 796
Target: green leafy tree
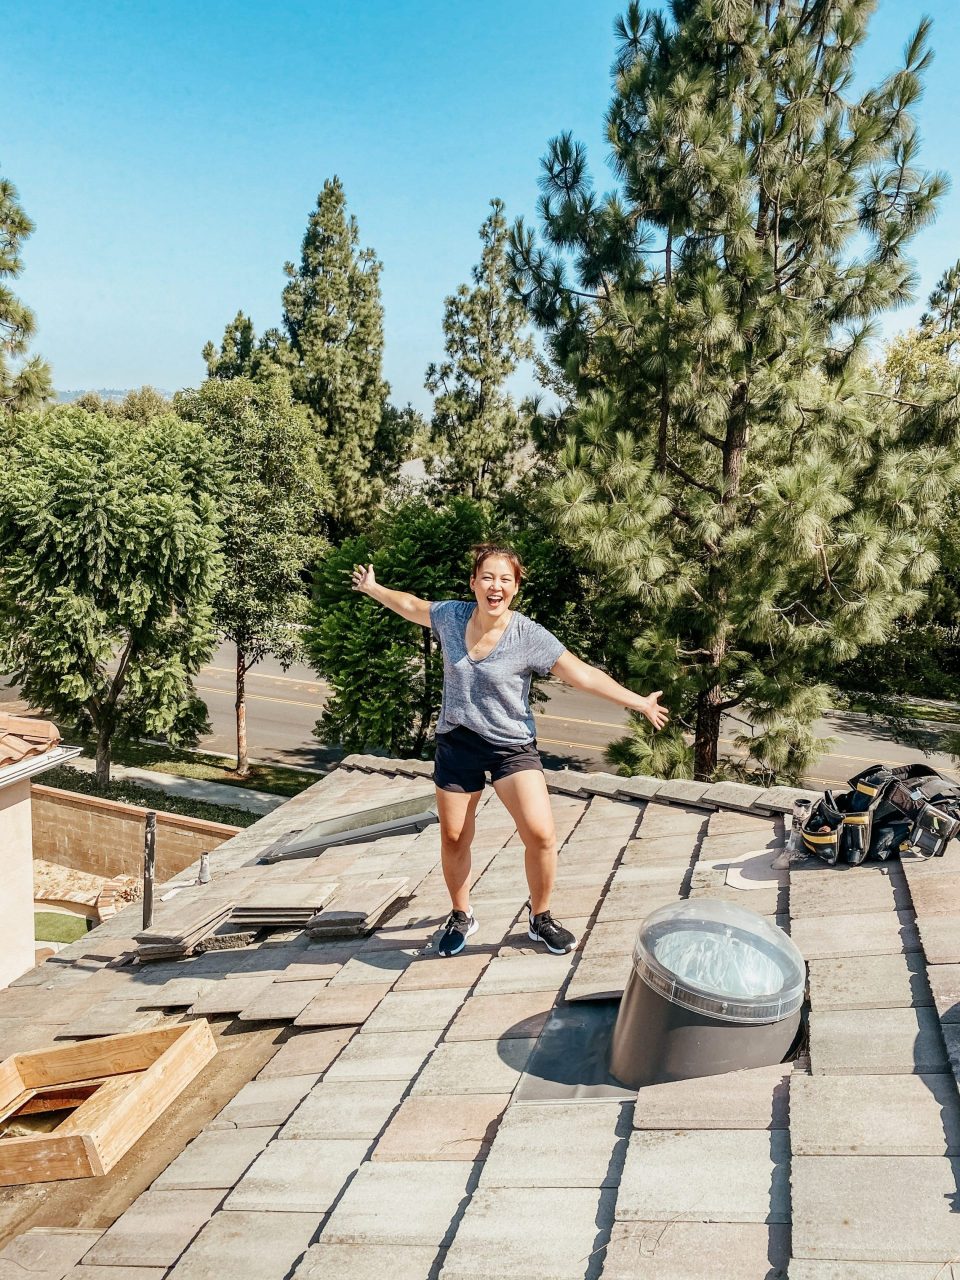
24 383
734 465
476 432
110 561
270 493
137 406
385 673
332 349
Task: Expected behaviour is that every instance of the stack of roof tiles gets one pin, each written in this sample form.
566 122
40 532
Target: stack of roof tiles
23 736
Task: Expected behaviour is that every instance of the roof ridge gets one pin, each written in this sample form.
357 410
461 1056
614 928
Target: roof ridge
711 796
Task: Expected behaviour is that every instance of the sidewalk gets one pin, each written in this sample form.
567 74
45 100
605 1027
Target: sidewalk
259 802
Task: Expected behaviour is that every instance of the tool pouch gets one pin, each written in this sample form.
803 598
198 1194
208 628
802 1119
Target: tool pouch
821 832
932 831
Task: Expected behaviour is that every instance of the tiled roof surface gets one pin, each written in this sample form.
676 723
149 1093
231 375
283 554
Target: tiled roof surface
407 1125
23 736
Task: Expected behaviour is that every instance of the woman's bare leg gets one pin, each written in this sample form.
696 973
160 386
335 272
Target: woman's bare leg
527 800
457 811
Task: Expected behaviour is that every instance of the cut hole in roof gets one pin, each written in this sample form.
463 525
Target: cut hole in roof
72 1111
401 817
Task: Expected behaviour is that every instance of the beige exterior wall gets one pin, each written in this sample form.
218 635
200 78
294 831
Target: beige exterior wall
106 838
16 882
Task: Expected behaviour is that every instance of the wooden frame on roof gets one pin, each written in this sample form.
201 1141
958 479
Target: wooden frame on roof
118 1085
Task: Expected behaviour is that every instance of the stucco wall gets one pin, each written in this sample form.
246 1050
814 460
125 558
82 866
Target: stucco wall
106 838
16 882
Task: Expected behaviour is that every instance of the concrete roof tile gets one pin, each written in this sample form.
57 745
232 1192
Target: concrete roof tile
639 787
842 1209
403 1203
862 1115
780 799
366 1262
699 1251
732 795
551 1233
717 1175
684 791
457 1126
246 1246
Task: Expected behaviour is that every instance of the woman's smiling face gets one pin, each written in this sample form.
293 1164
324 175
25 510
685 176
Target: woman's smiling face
494 585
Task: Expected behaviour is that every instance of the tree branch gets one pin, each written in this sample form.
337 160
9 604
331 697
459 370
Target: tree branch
697 484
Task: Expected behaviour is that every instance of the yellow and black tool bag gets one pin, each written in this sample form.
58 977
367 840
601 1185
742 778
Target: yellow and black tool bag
909 808
820 834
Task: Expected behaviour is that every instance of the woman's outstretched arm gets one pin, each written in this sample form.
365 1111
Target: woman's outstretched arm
408 606
581 675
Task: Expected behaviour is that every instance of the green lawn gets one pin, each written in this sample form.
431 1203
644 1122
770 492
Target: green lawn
55 926
926 711
276 779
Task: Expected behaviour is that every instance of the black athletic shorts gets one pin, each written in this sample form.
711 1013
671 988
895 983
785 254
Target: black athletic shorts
464 758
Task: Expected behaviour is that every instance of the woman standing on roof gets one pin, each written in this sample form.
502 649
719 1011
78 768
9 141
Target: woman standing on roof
490 654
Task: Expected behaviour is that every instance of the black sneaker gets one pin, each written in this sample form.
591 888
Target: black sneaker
459 926
543 928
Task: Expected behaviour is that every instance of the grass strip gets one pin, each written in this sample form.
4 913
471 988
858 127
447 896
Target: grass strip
57 926
126 792
276 779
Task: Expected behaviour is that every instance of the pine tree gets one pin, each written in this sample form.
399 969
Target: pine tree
476 432
109 545
24 384
239 355
266 510
332 347
735 464
944 302
920 374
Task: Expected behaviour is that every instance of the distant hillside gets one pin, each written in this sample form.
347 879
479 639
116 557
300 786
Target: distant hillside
108 393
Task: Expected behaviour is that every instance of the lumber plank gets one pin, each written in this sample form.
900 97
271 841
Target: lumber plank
150 1093
91 1114
159 1065
45 1158
11 1083
103 1056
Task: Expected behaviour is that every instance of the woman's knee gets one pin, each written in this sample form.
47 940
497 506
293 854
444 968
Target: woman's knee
456 845
542 842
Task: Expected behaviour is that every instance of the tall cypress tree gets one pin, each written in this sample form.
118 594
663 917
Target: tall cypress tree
476 431
735 464
24 384
333 349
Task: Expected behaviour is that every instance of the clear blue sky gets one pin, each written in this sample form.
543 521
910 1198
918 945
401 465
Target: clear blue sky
170 154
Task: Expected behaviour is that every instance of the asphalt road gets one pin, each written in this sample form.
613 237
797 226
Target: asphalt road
572 727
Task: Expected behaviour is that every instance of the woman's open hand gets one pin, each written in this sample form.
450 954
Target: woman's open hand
362 578
651 708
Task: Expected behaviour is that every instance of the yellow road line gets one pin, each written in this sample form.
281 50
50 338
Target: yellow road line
262 675
602 724
262 697
542 715
586 746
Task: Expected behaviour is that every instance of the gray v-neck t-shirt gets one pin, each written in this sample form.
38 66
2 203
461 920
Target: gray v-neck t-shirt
491 695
